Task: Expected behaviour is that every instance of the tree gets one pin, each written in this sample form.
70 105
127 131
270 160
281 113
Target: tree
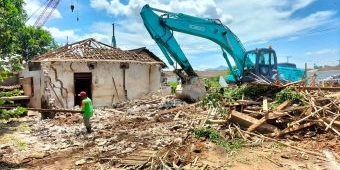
12 18
35 41
18 39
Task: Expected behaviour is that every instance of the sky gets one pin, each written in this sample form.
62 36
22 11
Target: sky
300 31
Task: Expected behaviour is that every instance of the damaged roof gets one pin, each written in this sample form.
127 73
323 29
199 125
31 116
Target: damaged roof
148 52
92 50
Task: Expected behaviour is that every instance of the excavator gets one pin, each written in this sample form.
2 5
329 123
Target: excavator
255 65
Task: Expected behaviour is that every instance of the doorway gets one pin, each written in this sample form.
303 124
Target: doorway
82 82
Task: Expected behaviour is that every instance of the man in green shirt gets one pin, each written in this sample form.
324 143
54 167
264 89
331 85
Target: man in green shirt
86 110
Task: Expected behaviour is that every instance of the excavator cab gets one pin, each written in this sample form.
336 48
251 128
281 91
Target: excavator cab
260 64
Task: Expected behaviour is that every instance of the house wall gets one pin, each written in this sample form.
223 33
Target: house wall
37 78
140 80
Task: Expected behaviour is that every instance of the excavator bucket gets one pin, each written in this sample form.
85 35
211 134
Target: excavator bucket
192 91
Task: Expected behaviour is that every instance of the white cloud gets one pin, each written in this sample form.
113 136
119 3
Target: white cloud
324 52
34 8
73 35
254 22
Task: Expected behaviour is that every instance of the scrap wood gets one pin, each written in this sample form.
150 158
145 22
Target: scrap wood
330 126
220 121
248 102
164 164
293 128
335 95
308 116
245 120
276 163
294 147
240 132
252 111
284 105
270 115
47 110
289 109
308 111
336 156
276 114
175 109
210 112
257 124
332 121
294 83
114 110
335 89
265 104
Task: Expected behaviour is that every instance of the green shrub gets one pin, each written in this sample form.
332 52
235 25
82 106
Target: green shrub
288 94
216 138
16 112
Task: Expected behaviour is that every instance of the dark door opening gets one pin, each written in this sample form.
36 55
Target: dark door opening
82 82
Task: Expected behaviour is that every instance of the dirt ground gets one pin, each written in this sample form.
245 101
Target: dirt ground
151 133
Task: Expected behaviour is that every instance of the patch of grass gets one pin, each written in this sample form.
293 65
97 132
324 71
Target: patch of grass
23 127
21 145
6 138
277 145
11 139
215 137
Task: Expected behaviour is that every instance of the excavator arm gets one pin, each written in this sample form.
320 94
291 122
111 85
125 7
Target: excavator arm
255 65
161 28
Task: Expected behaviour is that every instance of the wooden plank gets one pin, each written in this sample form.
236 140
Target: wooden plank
257 124
248 102
137 158
336 89
329 120
46 110
247 121
133 162
294 128
265 104
220 122
283 105
16 98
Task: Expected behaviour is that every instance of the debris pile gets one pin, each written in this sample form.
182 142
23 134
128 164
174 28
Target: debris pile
288 111
161 132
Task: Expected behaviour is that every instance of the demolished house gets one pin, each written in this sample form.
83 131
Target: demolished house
106 73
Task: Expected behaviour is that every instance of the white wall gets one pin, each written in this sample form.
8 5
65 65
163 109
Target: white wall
140 80
35 100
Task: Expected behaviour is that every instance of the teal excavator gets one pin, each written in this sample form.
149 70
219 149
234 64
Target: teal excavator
255 65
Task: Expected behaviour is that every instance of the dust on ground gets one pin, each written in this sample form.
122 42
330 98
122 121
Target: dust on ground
155 132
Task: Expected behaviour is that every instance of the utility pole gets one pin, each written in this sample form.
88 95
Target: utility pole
288 58
339 62
113 41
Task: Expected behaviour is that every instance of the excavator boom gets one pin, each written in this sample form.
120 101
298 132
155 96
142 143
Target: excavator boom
259 64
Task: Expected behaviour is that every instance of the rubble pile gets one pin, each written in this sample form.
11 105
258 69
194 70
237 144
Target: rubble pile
316 111
130 127
160 132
